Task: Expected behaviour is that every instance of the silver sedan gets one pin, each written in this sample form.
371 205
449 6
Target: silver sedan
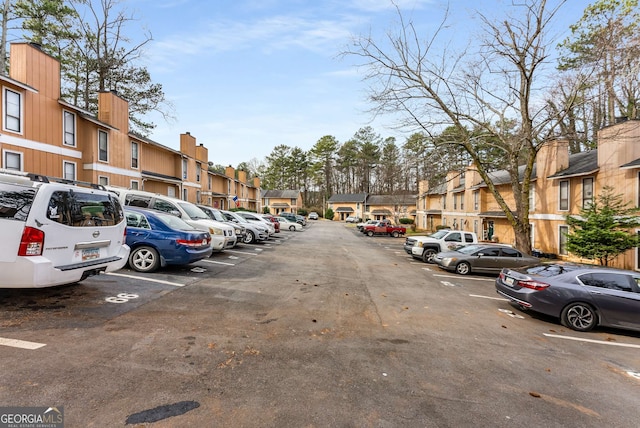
483 258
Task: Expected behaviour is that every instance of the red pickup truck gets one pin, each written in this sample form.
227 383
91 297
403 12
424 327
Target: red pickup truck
384 227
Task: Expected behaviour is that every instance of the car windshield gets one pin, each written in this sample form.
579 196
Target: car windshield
439 234
174 222
469 249
194 212
551 269
217 215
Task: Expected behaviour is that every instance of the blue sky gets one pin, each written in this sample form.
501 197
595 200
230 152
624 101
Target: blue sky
247 75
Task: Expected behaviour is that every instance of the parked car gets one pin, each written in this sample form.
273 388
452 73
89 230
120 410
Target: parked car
581 296
159 239
254 232
360 226
273 220
256 218
313 215
295 217
301 219
353 219
289 224
215 214
483 258
56 231
222 235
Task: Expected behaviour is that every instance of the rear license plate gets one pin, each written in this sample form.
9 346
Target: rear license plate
509 281
90 254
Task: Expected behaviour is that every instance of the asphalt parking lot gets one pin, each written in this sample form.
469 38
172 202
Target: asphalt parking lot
321 328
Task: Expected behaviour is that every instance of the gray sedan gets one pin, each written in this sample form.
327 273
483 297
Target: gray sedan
582 296
483 258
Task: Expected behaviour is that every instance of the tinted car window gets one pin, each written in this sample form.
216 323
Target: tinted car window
468 237
454 237
614 281
493 252
165 206
137 201
80 209
510 252
15 203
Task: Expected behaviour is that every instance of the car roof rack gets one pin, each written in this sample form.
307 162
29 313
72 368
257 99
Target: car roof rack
46 179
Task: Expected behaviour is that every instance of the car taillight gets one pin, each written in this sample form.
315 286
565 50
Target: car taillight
192 243
534 285
32 242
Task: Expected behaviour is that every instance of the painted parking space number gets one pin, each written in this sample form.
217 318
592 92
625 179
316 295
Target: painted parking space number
122 298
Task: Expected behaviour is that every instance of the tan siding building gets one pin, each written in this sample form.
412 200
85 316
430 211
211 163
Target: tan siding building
43 134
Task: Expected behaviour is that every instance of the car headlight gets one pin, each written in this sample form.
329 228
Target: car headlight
419 244
449 259
216 231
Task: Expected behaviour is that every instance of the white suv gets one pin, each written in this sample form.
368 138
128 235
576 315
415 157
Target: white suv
222 235
57 232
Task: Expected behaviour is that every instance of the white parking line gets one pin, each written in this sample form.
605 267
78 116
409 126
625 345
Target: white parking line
465 277
218 263
600 342
490 298
143 278
241 252
15 343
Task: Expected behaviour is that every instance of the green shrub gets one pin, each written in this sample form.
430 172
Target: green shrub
328 214
405 220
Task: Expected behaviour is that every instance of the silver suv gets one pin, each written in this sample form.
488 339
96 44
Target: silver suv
57 232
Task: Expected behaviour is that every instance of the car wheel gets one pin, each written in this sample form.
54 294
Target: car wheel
428 254
395 234
249 238
579 316
463 268
144 259
369 233
292 228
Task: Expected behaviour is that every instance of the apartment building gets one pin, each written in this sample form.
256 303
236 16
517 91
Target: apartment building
41 133
282 201
562 184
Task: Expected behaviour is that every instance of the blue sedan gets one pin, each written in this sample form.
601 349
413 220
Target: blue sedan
159 239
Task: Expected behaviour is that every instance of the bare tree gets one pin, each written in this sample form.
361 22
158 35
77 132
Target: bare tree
480 96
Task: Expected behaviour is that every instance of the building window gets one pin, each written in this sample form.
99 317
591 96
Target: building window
12 160
294 202
475 226
184 169
12 111
103 146
444 202
587 192
198 200
198 171
455 201
135 185
134 154
209 181
185 195
69 169
69 125
532 198
563 203
462 201
476 200
562 241
171 191
103 180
